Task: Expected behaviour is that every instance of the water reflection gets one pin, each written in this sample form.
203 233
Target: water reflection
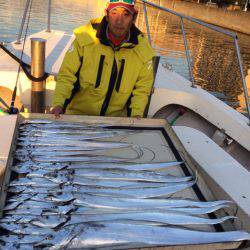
215 65
213 55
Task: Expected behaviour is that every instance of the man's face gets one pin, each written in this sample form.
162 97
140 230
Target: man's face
119 21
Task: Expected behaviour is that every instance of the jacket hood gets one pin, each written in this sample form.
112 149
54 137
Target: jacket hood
95 32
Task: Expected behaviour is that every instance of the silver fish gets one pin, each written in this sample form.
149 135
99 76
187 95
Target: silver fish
157 218
33 208
54 153
13 205
57 197
8 238
80 181
20 169
69 137
131 167
12 242
19 198
67 153
61 198
148 192
50 176
22 229
68 159
60 125
111 235
39 204
162 191
55 178
35 121
154 166
40 173
198 211
87 145
51 222
42 190
76 135
129 176
34 182
87 131
30 240
61 239
28 153
85 210
128 203
25 219
18 219
29 166
10 219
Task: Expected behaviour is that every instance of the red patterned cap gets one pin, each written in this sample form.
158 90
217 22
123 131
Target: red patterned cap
129 7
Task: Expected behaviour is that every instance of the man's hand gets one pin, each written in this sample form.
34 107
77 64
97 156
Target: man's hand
56 111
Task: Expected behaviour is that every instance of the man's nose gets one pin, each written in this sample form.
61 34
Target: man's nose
119 18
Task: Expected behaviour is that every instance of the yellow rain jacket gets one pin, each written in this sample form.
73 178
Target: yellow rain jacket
97 79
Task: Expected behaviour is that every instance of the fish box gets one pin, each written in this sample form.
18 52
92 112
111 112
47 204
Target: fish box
117 162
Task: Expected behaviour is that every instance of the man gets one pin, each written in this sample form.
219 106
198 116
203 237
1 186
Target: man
108 69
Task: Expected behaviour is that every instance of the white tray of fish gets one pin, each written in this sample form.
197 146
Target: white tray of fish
83 186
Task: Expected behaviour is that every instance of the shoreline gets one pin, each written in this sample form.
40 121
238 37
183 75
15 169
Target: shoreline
233 20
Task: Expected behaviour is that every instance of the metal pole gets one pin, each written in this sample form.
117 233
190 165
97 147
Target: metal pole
187 53
49 15
37 70
147 24
23 21
155 63
242 76
245 6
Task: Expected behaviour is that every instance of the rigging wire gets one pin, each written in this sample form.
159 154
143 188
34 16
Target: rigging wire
12 109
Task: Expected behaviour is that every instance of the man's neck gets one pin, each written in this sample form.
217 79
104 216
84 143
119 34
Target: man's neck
116 41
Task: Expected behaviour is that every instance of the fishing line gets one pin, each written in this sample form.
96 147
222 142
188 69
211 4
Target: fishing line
154 155
12 109
126 136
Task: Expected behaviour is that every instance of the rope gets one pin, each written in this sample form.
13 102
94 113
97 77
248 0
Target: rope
25 67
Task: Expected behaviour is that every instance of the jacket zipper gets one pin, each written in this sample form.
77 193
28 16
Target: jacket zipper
118 84
99 73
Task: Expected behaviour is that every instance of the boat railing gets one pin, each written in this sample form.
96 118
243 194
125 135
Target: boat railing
207 25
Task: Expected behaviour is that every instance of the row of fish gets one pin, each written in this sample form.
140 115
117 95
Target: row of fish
70 195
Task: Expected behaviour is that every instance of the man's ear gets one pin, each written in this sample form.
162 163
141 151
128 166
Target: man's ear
135 17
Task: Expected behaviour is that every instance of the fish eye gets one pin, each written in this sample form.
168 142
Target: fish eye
49 237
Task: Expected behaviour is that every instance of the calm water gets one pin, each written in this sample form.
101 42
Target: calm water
213 54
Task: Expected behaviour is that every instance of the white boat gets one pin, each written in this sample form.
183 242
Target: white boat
215 136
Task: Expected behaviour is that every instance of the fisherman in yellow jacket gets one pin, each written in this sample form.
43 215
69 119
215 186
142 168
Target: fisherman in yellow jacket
108 69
